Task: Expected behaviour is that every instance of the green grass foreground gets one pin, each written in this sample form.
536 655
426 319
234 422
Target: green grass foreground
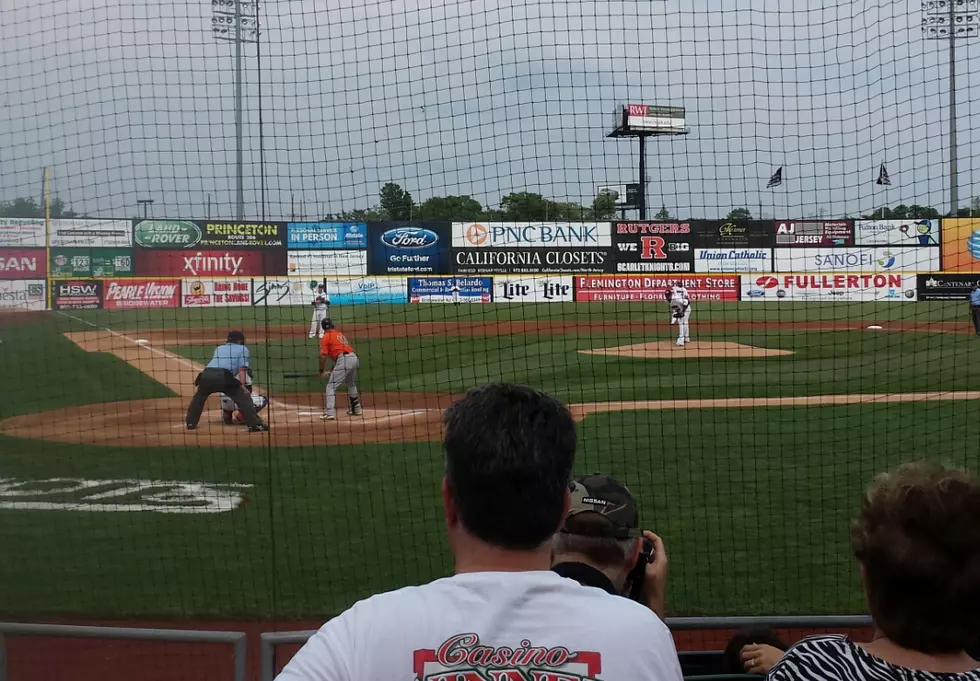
753 503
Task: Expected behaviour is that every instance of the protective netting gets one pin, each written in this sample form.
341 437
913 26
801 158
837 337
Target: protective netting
449 173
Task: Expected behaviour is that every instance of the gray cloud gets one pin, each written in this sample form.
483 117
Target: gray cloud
127 101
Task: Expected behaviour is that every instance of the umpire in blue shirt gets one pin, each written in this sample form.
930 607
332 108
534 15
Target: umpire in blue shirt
975 308
225 373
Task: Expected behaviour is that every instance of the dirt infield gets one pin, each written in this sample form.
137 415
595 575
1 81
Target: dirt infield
389 417
261 334
662 349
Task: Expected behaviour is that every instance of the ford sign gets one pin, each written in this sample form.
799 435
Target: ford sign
409 237
756 293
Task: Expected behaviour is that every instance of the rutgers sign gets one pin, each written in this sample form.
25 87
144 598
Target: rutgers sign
653 247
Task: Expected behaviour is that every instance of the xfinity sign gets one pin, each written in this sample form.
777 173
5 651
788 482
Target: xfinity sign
531 234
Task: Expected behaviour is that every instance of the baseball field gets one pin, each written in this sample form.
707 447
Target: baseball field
747 449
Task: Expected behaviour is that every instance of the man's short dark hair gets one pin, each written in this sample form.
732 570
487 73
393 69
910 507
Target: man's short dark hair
509 454
918 538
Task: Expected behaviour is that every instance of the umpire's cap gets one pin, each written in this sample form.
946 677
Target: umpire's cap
327 324
236 337
602 507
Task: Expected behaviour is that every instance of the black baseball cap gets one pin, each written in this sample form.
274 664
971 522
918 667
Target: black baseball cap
602 507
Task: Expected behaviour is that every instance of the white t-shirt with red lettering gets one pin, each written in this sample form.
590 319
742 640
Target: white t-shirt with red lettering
491 626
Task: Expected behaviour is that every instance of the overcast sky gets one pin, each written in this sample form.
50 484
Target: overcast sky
127 100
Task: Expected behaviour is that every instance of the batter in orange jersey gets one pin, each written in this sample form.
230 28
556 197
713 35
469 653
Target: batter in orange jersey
334 345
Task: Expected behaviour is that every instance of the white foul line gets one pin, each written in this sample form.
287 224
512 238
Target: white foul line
168 355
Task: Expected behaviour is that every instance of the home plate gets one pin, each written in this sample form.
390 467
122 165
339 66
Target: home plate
308 413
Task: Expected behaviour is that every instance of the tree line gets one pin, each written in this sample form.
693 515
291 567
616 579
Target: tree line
396 203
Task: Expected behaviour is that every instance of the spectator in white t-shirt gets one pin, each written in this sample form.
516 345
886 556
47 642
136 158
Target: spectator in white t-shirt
504 615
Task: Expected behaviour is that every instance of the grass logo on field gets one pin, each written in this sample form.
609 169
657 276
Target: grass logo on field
887 261
973 244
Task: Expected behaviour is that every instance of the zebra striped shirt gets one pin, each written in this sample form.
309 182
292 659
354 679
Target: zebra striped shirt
836 658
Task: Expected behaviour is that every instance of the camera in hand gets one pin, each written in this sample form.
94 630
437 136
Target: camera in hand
634 581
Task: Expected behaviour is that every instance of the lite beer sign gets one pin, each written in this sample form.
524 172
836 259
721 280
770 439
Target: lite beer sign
549 290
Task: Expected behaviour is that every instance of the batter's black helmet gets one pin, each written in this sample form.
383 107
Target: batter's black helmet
327 324
236 337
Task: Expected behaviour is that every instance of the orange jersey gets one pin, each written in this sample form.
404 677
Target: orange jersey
334 344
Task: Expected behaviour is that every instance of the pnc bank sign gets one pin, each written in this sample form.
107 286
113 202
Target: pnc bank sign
531 234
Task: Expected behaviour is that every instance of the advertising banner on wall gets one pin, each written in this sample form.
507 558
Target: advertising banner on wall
127 294
830 287
77 295
652 288
209 263
896 232
243 235
177 234
869 259
23 295
22 233
216 292
653 247
439 289
531 235
327 262
23 263
339 235
532 260
408 248
961 245
91 262
533 289
814 232
947 286
733 260
732 234
91 233
284 292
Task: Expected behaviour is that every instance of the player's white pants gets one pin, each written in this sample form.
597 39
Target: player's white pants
228 405
684 326
315 328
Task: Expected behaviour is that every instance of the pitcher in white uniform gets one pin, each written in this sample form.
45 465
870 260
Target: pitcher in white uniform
321 310
680 312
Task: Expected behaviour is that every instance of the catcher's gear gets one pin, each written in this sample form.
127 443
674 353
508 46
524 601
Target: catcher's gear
326 324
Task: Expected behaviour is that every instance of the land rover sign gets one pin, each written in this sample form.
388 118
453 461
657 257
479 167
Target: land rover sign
167 234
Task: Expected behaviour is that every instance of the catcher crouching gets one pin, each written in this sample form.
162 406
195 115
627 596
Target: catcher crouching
230 415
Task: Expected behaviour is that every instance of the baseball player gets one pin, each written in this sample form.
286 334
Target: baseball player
321 309
230 413
454 290
679 301
333 344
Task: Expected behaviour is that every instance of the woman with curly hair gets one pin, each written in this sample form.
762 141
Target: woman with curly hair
917 542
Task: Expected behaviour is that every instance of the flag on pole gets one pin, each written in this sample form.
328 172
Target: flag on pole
883 176
776 179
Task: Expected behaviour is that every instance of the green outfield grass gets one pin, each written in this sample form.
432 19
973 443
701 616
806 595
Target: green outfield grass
753 503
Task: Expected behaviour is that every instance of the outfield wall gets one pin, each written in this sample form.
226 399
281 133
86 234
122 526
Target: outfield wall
127 264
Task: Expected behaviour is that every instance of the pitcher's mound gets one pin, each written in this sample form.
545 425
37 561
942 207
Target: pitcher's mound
666 349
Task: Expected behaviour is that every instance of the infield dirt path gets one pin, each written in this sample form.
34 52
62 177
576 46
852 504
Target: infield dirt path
389 417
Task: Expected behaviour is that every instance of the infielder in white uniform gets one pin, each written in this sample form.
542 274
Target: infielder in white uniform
679 301
321 308
454 289
229 411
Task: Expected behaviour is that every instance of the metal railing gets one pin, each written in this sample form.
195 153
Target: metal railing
268 641
235 638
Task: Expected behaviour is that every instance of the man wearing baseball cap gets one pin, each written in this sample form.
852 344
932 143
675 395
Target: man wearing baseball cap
600 543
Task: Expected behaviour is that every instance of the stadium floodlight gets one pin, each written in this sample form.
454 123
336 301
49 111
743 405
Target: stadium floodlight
236 21
949 20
